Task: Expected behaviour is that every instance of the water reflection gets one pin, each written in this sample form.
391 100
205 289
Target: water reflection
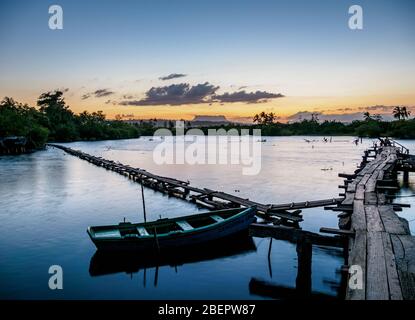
104 263
303 285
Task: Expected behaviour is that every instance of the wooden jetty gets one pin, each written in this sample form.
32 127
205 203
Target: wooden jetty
211 199
13 145
379 240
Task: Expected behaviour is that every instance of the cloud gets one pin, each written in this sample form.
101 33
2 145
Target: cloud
173 76
63 89
184 93
114 103
249 97
347 109
383 109
176 94
97 94
102 93
380 108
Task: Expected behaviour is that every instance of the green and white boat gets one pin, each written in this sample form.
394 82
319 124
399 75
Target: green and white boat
173 233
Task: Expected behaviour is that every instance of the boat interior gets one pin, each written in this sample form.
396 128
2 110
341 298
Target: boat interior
163 226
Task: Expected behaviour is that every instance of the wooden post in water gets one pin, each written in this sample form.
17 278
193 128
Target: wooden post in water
144 203
156 240
156 276
406 177
269 257
304 254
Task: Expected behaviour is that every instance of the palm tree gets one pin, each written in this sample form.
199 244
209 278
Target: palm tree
265 118
314 117
401 113
397 113
367 116
257 119
405 113
270 118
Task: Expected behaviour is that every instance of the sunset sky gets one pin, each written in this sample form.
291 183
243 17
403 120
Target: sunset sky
179 58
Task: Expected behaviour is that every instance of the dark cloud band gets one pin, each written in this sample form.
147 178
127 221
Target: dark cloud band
97 94
249 97
176 94
173 76
184 93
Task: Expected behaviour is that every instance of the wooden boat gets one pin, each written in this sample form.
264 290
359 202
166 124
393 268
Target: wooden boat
172 233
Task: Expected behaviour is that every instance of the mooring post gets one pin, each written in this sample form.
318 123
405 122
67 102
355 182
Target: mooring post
156 276
144 203
269 257
406 177
304 254
156 240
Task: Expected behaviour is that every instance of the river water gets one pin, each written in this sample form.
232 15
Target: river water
49 198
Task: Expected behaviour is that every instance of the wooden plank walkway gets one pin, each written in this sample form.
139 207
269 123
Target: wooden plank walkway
208 198
382 245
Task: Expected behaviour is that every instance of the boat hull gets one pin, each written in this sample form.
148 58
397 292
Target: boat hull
195 237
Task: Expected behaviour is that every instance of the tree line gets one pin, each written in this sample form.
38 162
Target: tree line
54 121
371 126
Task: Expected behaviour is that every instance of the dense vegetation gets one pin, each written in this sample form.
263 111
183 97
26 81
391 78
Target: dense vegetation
54 121
372 126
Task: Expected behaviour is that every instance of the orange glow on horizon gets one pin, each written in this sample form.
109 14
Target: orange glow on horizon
282 107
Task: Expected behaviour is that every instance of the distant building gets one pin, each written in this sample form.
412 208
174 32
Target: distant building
210 119
202 121
156 123
198 121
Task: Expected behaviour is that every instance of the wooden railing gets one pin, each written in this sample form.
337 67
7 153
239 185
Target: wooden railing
394 143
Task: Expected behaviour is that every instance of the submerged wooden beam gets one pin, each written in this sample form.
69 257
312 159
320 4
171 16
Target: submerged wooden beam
347 175
337 231
294 235
340 208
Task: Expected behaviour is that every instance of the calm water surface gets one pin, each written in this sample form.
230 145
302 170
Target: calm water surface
49 198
